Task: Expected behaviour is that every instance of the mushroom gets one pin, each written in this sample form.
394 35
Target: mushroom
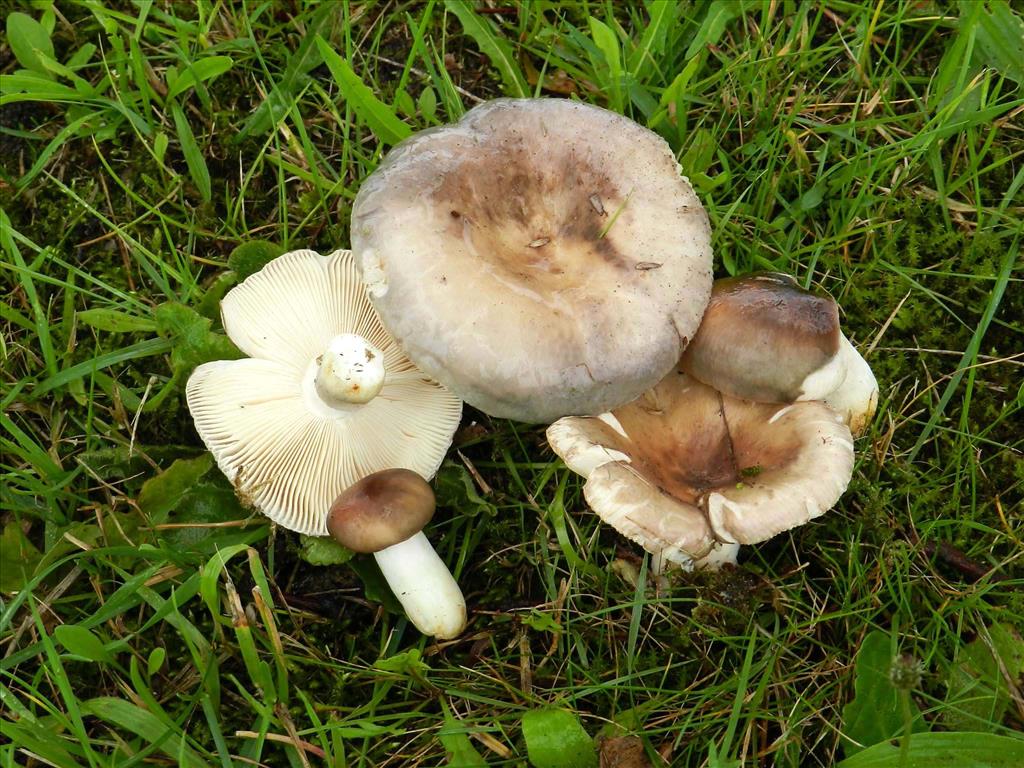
325 398
384 514
541 257
765 338
690 473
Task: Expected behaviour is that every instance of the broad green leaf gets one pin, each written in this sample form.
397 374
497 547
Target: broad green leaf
455 489
250 257
556 739
34 87
1000 40
955 750
160 142
209 305
652 45
608 44
460 750
876 712
81 642
115 321
156 660
28 38
977 694
542 621
404 103
427 104
161 493
494 46
19 558
405 663
200 509
323 550
199 71
377 115
193 341
193 155
146 725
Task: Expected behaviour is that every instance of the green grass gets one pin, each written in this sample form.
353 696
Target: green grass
873 150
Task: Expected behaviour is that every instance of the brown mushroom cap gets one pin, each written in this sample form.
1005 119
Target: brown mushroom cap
765 338
381 510
540 257
684 467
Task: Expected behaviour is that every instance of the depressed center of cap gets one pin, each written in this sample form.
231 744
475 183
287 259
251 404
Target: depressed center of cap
349 372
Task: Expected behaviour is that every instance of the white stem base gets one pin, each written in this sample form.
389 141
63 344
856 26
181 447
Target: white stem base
424 586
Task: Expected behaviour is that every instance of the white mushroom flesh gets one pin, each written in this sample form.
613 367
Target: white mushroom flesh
349 371
424 586
856 396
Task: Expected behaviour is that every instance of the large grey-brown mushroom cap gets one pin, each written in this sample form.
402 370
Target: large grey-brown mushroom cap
540 257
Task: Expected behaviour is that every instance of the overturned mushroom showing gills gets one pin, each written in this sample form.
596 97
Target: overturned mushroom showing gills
764 338
326 396
540 257
384 514
689 473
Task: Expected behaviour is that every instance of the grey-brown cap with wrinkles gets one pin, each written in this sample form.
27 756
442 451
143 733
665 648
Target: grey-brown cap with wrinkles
541 257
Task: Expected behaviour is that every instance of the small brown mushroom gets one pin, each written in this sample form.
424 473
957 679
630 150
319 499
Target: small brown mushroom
766 339
384 514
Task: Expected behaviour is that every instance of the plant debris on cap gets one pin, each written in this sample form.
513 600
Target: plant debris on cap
689 473
765 338
312 410
540 257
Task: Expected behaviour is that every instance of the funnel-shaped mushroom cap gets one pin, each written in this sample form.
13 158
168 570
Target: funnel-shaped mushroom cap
381 510
292 426
540 257
684 468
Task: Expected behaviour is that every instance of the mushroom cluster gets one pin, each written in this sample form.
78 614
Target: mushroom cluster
546 261
750 436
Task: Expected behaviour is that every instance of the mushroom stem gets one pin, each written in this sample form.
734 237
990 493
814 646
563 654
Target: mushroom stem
424 586
350 371
856 398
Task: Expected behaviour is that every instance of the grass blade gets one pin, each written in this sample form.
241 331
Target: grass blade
495 48
378 116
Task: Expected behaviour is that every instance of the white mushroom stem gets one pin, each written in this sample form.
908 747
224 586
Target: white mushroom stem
856 398
424 586
350 371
